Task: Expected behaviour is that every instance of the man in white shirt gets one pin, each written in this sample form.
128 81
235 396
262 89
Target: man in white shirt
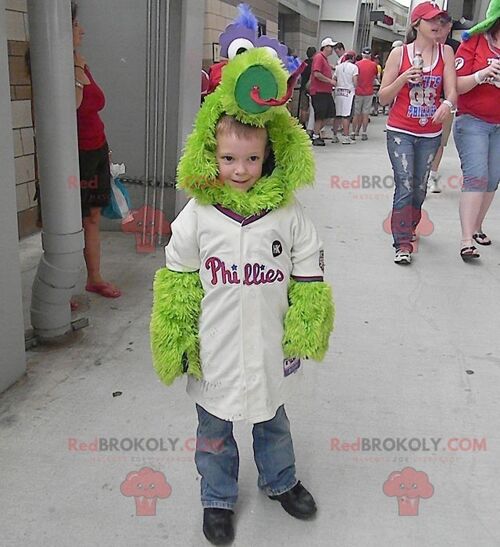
347 79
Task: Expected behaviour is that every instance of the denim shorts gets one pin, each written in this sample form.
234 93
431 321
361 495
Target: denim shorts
478 145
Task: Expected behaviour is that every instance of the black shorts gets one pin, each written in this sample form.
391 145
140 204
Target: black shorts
324 106
95 178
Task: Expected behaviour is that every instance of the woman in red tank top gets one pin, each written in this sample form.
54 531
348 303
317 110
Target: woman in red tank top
414 125
93 152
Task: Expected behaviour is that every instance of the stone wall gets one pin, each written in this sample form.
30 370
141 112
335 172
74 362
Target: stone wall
22 122
219 14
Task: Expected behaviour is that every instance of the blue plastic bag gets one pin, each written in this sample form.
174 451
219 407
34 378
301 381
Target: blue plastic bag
119 204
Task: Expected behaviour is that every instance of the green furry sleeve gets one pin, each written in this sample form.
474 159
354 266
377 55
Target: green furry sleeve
174 324
309 320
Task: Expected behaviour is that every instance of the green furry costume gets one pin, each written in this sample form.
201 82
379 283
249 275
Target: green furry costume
178 296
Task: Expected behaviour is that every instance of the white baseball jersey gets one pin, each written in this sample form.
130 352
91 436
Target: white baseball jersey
245 265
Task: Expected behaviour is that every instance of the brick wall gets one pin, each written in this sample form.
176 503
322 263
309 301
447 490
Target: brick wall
22 123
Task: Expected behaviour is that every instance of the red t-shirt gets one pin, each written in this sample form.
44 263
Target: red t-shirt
482 100
415 104
368 71
320 64
91 134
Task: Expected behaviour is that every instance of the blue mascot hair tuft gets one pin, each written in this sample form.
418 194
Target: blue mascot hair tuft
292 63
246 18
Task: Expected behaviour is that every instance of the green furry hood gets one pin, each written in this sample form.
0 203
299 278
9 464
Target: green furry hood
293 159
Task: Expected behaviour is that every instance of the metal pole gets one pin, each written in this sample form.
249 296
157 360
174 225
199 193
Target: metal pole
164 120
156 114
57 149
146 150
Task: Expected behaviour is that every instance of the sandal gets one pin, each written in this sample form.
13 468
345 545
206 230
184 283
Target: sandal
104 289
469 253
481 238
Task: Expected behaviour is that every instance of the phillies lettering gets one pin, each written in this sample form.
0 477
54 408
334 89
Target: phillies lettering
253 274
423 97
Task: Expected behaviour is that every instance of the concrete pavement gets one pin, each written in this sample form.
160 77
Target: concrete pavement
411 380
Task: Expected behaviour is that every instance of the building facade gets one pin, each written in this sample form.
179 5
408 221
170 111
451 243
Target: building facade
294 22
16 20
364 23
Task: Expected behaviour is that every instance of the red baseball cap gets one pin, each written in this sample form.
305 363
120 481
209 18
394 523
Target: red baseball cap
426 11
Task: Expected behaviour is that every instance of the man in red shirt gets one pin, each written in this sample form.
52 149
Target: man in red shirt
322 83
368 71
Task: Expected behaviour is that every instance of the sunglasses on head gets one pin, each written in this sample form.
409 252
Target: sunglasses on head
444 19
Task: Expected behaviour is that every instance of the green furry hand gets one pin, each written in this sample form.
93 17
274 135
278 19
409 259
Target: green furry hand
174 324
309 320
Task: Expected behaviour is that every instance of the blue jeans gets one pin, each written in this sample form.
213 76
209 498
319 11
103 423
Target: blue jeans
411 159
478 145
217 458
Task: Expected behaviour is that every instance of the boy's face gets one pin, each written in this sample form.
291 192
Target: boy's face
240 159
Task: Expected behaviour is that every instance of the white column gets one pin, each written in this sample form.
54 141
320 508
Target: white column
52 75
191 54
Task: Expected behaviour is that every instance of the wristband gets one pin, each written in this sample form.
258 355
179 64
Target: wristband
477 77
79 84
449 104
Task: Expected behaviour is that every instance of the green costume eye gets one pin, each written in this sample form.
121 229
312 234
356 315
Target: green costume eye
252 76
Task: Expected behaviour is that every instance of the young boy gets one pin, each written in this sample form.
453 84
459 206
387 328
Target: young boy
242 289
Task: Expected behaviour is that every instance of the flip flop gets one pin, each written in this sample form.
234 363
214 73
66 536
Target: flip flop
104 289
469 253
481 238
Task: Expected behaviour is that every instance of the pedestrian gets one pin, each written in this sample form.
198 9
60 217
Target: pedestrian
346 75
242 298
477 127
340 51
443 37
415 75
368 72
320 89
94 160
305 82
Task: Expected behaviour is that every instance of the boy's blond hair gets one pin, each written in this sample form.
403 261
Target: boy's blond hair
227 125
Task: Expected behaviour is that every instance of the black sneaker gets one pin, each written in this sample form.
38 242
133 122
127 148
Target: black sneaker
218 526
297 502
318 141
